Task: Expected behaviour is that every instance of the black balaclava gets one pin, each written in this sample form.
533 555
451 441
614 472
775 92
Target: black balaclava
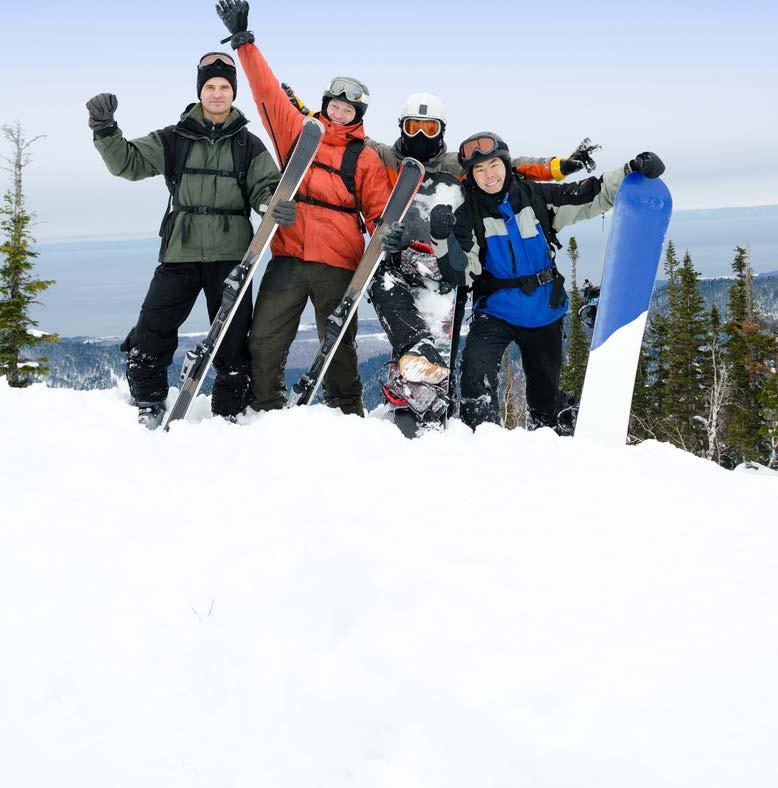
420 146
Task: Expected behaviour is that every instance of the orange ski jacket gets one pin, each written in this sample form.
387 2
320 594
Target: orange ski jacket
319 234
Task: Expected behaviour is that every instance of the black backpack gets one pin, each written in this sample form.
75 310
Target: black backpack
347 172
245 148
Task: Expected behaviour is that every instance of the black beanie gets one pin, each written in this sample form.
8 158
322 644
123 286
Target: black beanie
217 69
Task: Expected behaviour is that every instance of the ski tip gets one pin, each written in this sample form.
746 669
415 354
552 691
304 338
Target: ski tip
313 123
412 164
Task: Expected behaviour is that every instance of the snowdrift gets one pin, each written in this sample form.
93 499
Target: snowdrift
307 600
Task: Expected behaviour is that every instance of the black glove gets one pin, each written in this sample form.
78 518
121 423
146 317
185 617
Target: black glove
442 221
392 238
648 164
235 15
285 212
570 165
101 109
583 156
294 101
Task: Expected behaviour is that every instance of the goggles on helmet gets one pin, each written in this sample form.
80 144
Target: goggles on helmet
483 145
429 127
345 87
213 57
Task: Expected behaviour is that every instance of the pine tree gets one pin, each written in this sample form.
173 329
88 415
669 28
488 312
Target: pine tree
686 360
578 340
651 392
651 398
769 402
18 286
751 349
671 271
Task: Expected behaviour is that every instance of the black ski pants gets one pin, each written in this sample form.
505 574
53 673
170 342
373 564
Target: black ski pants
541 358
152 342
287 285
392 297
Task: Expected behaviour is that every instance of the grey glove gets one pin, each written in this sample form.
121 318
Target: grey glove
285 212
648 164
101 110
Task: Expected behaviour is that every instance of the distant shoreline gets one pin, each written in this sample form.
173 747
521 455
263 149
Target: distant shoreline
149 236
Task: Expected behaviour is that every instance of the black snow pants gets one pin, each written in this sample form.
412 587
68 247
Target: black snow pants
151 343
392 296
541 358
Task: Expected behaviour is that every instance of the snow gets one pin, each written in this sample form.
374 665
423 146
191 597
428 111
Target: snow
442 194
307 599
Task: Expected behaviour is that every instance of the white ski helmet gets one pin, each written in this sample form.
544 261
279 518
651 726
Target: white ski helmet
423 105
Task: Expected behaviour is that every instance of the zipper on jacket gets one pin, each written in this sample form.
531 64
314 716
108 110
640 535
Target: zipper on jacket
514 269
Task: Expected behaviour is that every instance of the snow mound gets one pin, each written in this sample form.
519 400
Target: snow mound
308 599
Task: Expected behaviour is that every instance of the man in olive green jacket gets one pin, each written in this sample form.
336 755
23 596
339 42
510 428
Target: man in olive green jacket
216 173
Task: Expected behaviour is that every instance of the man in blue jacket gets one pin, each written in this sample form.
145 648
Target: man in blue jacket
502 241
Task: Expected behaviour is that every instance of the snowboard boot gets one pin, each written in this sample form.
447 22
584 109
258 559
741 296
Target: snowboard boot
567 414
536 420
423 364
151 414
414 407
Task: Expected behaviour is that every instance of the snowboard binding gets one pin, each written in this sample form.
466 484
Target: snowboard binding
414 407
587 314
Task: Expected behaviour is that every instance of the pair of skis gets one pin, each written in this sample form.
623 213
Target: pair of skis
197 362
408 182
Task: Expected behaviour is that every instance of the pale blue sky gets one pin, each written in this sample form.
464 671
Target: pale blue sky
694 81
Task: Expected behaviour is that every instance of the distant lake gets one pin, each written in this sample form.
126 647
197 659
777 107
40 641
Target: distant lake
101 283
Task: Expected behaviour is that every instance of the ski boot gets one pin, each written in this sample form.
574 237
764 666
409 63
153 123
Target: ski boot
151 414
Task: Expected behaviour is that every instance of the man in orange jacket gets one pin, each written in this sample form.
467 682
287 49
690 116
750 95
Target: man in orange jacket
316 256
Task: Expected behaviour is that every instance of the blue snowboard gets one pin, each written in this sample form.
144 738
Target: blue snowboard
640 218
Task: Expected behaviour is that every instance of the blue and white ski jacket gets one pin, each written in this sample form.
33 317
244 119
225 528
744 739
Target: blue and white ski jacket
514 243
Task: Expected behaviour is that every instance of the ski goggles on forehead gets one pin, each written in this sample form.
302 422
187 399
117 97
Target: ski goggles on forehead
429 127
213 57
483 145
345 87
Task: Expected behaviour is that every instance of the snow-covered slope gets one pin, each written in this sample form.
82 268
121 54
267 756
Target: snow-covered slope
308 600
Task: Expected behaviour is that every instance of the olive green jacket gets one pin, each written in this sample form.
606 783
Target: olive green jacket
198 237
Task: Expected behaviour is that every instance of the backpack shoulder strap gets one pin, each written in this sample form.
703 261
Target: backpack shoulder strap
245 148
544 215
176 151
348 171
348 166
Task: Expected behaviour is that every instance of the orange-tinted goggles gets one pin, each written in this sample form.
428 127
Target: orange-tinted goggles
212 57
429 127
482 145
